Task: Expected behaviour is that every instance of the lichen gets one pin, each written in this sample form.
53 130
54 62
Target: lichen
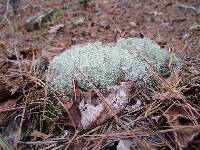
104 64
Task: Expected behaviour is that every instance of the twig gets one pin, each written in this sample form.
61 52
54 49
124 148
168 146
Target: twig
10 109
14 44
5 15
189 7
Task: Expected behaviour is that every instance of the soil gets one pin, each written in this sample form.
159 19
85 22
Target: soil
167 22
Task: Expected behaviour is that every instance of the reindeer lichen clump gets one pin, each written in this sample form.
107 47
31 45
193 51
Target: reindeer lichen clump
105 64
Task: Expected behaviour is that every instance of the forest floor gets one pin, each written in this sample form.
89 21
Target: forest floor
36 119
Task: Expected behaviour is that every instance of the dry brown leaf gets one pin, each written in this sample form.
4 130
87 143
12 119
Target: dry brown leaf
172 81
7 105
77 145
56 28
125 144
29 50
3 52
74 115
191 89
4 93
168 88
168 95
36 134
78 20
68 105
180 116
4 106
90 113
11 131
95 111
50 52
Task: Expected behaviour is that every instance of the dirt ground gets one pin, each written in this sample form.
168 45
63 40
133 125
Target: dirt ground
170 23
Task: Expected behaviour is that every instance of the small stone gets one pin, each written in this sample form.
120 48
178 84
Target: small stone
186 36
56 28
78 20
125 144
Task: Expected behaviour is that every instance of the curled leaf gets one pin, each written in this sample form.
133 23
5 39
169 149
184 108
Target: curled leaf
95 110
181 116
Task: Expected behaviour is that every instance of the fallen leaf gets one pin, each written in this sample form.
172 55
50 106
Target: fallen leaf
124 144
89 113
56 28
3 52
7 105
168 95
36 134
14 89
4 93
180 116
95 110
191 89
171 81
78 20
11 131
4 144
50 52
73 114
161 40
40 20
4 106
77 145
168 88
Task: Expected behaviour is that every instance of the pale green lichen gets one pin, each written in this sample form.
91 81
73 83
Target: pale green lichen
104 64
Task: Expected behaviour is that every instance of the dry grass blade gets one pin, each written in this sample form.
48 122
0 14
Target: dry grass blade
172 90
4 144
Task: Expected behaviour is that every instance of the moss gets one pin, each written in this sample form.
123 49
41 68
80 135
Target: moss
195 26
35 35
103 64
43 19
57 13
